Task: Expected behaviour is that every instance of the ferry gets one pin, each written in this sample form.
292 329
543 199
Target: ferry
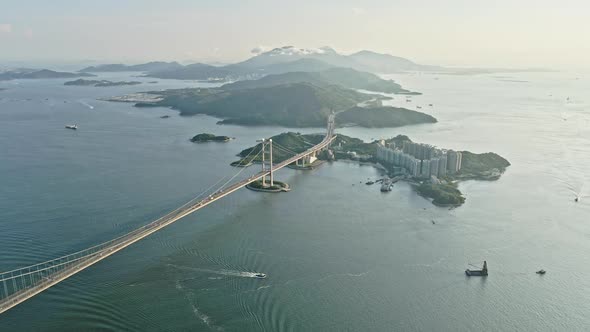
74 127
478 273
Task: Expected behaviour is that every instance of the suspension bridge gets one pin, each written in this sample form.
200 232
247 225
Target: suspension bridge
21 284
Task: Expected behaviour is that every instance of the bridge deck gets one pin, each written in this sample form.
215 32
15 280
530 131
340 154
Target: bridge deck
42 279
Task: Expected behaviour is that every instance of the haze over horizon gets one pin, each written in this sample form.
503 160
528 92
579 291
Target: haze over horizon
454 33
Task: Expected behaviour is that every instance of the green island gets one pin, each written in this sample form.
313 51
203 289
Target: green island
442 194
293 99
381 116
289 105
442 190
100 83
483 166
26 73
206 137
344 147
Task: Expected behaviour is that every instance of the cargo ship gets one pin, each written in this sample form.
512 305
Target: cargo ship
478 273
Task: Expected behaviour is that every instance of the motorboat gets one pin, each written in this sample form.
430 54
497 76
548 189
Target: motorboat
74 127
577 199
260 275
541 272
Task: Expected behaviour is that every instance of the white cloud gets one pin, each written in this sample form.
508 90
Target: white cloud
5 28
259 49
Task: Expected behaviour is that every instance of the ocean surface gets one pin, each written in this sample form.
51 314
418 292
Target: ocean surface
340 255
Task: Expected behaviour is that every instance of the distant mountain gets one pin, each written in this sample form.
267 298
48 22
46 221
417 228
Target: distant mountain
385 63
306 65
363 60
288 54
289 59
345 77
197 71
145 67
25 73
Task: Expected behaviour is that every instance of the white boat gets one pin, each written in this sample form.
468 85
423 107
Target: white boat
74 127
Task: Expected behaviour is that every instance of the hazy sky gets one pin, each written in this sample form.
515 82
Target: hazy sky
511 33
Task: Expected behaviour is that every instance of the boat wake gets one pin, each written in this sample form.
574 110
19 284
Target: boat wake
86 104
352 275
199 314
227 273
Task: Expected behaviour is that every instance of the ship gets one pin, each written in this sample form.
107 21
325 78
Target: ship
386 185
478 273
74 127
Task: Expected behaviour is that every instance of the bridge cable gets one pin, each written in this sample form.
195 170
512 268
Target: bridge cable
103 244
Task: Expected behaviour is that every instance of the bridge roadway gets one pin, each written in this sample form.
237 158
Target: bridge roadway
61 271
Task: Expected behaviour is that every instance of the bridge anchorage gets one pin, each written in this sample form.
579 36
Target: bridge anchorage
21 284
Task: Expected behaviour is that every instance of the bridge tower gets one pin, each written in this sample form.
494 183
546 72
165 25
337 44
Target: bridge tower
270 160
264 142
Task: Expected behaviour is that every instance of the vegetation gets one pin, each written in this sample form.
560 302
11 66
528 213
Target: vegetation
344 144
100 83
345 77
150 66
398 140
206 137
295 142
442 194
382 116
298 143
290 105
277 185
483 166
36 74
